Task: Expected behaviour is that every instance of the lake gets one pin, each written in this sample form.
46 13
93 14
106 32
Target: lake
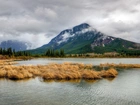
94 61
122 90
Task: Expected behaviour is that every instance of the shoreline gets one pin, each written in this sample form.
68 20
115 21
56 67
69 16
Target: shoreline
34 57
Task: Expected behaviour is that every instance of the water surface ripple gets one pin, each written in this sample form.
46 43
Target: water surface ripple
123 90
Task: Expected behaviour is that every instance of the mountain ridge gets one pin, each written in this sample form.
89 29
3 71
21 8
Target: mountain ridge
15 44
85 39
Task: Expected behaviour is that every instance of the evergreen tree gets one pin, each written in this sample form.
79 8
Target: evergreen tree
0 50
4 52
9 52
14 51
57 53
54 53
62 54
48 53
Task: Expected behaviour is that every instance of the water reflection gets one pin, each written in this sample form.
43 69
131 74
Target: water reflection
123 90
49 81
2 79
91 81
109 79
54 80
76 80
63 80
22 80
71 80
94 61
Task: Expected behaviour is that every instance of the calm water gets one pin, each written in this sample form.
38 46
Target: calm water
94 61
123 90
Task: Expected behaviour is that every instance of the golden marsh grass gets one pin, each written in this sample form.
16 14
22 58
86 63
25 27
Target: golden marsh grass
120 65
65 71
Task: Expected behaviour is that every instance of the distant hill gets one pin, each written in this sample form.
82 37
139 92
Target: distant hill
85 39
14 44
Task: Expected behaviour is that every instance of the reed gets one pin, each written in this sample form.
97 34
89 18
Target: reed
120 65
65 71
2 73
108 73
90 74
7 62
22 74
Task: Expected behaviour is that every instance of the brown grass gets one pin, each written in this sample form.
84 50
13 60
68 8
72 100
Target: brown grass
109 73
90 74
2 73
120 65
7 62
65 71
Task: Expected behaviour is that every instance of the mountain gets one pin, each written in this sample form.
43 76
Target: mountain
85 39
14 44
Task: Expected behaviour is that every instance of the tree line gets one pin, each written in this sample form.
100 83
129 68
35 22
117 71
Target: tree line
55 53
49 52
11 52
131 52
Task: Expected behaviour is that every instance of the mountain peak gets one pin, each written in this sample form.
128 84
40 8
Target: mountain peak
76 28
85 39
81 27
65 35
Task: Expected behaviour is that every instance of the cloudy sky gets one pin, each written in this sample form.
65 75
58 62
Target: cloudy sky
37 21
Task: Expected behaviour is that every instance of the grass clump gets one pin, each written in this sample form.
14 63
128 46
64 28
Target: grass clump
109 73
65 71
120 65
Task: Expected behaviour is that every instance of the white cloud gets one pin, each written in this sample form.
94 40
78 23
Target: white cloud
46 13
37 21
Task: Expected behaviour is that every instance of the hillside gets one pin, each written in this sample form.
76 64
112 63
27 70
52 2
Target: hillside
85 39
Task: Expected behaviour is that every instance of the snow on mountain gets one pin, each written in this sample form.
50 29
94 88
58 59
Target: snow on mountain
84 30
65 37
85 39
69 33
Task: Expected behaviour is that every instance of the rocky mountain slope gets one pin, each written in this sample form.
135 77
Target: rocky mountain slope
85 39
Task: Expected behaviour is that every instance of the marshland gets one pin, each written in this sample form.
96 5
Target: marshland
65 71
75 80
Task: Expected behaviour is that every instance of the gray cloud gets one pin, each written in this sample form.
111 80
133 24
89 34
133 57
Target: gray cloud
37 21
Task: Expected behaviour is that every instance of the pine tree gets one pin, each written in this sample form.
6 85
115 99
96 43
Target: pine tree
0 50
62 54
4 52
14 52
48 53
9 52
57 53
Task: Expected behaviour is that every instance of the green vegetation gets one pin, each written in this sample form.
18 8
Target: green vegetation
11 52
82 45
26 54
99 52
54 53
131 52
